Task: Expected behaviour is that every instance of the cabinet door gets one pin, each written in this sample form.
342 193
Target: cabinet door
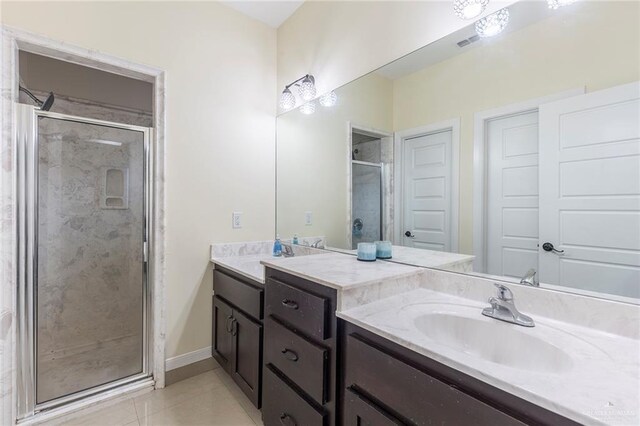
222 339
247 355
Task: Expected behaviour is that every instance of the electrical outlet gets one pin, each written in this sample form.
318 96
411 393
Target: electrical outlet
236 220
308 216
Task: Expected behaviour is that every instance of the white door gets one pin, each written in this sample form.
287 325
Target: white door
427 191
590 191
512 194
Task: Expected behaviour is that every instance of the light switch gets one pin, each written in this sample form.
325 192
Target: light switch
236 220
308 218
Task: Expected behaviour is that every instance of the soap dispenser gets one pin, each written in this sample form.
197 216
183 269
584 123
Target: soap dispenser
295 239
277 246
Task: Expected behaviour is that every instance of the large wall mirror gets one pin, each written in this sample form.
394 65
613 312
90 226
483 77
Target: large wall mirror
515 156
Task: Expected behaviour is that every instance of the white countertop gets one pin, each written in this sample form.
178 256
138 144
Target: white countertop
599 386
248 265
421 257
340 271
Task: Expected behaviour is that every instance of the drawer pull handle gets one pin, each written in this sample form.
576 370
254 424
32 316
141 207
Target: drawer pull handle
289 304
290 355
287 420
226 325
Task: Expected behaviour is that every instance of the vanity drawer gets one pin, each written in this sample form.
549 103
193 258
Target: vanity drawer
302 361
242 295
305 312
282 405
360 411
428 400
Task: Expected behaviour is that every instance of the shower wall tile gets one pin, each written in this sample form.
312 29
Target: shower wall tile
90 259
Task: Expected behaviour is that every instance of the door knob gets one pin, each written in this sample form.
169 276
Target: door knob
550 247
409 234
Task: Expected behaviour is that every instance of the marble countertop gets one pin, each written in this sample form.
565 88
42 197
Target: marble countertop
599 385
341 271
247 265
421 257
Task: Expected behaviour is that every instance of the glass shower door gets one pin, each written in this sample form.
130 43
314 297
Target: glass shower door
90 276
366 202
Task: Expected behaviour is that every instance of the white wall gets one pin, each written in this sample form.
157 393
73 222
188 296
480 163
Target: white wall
339 41
220 92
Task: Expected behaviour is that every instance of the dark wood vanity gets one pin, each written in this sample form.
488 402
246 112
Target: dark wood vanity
312 368
238 311
300 352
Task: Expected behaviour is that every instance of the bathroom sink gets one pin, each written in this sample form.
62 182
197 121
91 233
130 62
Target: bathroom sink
493 341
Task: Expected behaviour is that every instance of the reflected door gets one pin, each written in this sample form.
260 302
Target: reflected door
427 164
512 195
590 191
90 290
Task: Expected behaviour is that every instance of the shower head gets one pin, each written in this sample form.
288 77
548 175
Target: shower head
46 105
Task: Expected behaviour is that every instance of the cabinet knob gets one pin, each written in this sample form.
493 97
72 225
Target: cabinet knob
289 304
287 420
290 355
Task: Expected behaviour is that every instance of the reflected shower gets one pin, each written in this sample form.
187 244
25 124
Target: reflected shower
44 106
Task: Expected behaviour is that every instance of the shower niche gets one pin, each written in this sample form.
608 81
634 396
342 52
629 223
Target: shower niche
115 188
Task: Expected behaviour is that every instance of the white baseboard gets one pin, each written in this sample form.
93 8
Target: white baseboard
188 358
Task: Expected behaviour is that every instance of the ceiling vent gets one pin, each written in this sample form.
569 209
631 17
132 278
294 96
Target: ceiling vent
468 41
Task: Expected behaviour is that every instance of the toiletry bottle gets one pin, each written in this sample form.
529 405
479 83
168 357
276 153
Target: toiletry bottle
295 239
277 246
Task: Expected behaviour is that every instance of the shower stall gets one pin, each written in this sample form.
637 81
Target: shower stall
366 202
83 297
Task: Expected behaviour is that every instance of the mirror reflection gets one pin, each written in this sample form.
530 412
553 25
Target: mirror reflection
515 156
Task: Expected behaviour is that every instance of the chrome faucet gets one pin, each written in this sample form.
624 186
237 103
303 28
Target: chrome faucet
317 244
287 250
530 278
503 308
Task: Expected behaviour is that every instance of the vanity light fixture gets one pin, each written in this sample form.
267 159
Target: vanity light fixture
493 24
287 100
469 9
308 108
306 89
555 4
328 99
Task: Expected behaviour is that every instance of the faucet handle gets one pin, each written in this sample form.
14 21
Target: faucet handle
503 292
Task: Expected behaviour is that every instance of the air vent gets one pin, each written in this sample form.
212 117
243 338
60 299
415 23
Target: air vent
468 41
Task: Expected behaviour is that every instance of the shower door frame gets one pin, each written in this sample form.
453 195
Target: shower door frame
27 201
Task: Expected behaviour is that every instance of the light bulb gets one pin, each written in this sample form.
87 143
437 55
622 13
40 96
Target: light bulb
308 108
469 9
307 89
555 4
493 24
287 100
328 99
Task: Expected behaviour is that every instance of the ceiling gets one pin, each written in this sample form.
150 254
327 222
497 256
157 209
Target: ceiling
272 13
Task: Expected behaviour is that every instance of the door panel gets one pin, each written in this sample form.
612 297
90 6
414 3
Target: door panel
427 191
512 194
247 342
90 292
222 341
590 191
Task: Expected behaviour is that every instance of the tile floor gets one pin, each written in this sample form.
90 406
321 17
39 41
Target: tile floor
210 398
